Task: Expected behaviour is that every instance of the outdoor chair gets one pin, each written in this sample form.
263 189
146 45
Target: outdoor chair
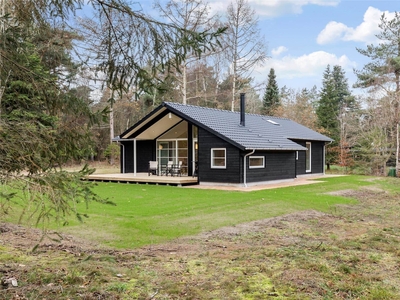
176 169
166 169
153 167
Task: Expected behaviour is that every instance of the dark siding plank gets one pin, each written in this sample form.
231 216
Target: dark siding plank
145 153
317 157
231 174
128 145
301 162
278 165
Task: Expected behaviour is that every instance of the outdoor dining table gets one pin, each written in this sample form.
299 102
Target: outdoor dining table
174 169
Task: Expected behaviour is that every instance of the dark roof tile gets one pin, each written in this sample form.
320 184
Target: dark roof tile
259 132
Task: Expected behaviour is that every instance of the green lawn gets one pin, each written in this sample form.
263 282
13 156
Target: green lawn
350 253
149 214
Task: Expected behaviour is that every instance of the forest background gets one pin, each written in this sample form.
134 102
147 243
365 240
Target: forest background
53 62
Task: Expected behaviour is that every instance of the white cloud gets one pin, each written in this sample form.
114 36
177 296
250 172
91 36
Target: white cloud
365 32
333 31
273 8
310 65
279 50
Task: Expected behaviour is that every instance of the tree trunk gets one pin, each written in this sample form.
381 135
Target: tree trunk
111 132
397 148
233 91
154 97
2 29
184 83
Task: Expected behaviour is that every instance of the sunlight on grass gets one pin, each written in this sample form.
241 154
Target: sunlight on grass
152 214
350 252
149 214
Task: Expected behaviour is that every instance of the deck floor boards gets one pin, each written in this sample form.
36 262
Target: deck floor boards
143 178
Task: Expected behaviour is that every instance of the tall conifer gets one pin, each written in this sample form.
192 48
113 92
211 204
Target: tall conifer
382 77
271 99
335 99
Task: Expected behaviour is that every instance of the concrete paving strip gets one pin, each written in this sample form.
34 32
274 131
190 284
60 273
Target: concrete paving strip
304 180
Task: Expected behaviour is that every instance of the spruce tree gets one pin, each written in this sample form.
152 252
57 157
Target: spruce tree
43 122
335 99
271 99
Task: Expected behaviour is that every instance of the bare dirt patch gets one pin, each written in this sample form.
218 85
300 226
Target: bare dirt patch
351 253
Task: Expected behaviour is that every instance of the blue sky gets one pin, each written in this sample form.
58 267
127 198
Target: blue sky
304 36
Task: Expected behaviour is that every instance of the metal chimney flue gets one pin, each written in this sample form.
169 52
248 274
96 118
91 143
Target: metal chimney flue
242 108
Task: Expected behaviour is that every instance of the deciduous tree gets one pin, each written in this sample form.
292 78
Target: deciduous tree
245 47
190 15
299 106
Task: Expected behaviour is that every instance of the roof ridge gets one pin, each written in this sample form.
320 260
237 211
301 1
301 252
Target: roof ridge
224 110
197 106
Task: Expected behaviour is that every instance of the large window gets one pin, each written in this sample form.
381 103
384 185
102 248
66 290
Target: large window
173 145
256 162
218 158
308 157
172 150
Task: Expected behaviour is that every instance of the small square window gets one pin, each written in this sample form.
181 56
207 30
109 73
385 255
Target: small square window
218 158
256 162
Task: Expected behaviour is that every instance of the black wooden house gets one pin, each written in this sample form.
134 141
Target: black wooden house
224 146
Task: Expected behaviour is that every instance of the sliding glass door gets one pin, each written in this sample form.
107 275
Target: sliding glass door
175 150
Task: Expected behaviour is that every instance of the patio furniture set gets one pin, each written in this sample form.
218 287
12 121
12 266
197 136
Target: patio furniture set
168 169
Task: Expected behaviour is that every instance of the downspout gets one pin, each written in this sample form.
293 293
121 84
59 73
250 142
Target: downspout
118 140
245 167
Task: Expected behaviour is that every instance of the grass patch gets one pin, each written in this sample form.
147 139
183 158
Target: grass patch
352 252
148 214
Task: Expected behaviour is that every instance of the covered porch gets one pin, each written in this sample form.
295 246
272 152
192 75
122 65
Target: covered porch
144 178
162 137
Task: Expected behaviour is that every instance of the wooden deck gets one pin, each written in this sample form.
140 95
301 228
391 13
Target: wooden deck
144 178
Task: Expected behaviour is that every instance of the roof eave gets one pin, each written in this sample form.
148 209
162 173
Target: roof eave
142 121
310 139
276 148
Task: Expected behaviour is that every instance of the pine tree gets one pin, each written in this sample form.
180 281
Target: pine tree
381 76
271 99
335 99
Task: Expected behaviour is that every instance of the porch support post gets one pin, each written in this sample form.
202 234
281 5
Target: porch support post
123 158
134 157
190 150
323 159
